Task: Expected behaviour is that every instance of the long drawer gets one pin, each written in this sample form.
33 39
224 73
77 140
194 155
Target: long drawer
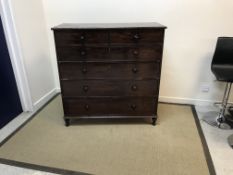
82 53
109 88
109 106
74 70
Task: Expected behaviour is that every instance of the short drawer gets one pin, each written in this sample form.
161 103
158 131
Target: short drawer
73 71
142 53
79 53
110 88
110 106
136 36
78 37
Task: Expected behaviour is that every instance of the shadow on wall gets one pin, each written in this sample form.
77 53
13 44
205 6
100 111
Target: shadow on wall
206 80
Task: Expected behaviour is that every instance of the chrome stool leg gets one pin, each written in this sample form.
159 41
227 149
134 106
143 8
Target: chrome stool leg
221 118
219 121
230 140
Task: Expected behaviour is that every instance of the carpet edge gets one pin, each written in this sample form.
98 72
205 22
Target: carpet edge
204 143
40 167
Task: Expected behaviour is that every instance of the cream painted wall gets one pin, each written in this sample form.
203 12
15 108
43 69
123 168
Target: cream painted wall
193 27
33 38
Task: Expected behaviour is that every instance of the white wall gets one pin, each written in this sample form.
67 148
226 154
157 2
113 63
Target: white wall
33 38
193 27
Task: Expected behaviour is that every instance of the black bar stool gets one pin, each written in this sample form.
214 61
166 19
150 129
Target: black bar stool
222 68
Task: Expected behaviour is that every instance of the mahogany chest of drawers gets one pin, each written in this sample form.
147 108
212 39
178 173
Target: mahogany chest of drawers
109 70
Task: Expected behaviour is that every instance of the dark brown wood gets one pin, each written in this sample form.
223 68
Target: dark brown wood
104 26
67 122
70 38
109 70
109 106
135 53
136 36
74 70
154 121
103 88
81 53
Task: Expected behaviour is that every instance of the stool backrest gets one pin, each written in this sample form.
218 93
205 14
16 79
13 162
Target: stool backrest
224 51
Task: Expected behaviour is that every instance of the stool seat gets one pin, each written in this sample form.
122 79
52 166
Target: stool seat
223 72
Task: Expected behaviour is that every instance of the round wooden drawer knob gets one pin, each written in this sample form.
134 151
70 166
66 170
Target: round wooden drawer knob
83 53
84 70
135 52
85 88
87 107
135 70
133 107
136 36
134 88
82 37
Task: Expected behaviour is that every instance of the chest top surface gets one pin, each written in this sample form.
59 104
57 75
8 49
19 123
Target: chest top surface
108 26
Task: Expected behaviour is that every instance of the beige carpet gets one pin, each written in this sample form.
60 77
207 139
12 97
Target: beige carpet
173 147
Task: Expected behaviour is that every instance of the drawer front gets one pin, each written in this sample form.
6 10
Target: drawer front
151 53
110 106
109 88
72 71
79 53
78 37
137 36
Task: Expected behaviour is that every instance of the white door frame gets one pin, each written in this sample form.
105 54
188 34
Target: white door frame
16 54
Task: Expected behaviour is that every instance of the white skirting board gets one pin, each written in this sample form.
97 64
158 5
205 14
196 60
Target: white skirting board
43 100
190 101
25 116
179 100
